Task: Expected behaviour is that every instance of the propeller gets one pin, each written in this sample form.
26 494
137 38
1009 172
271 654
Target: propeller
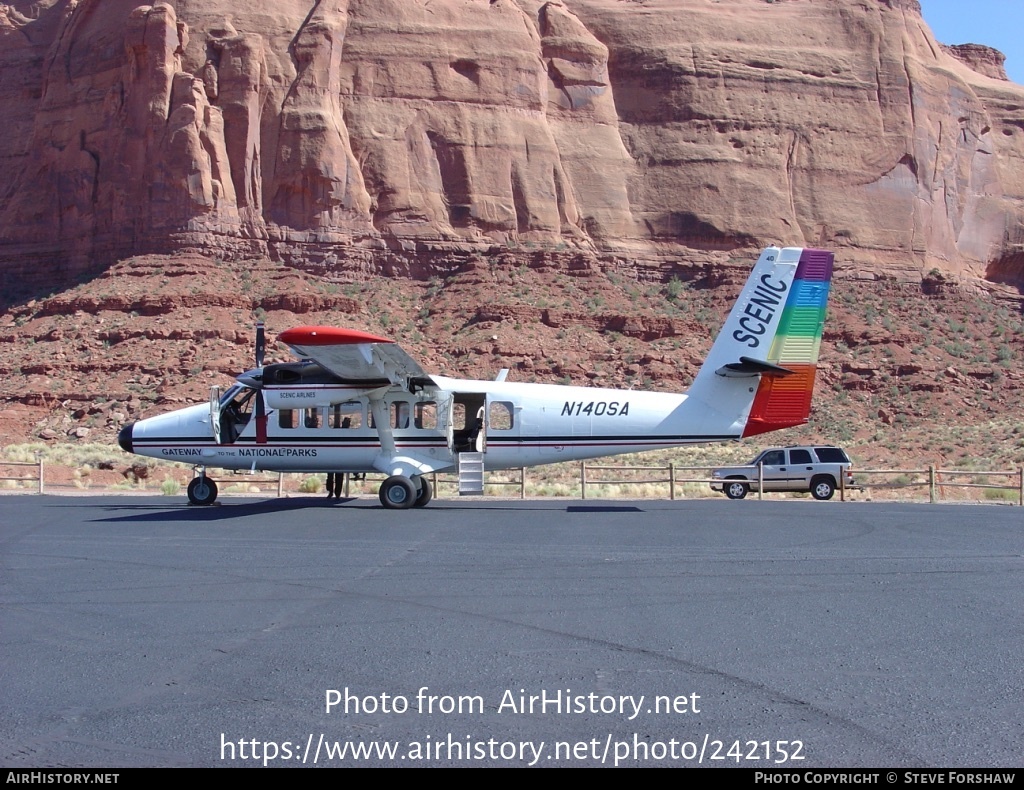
261 343
261 409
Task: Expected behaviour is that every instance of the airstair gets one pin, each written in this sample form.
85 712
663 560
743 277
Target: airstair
471 474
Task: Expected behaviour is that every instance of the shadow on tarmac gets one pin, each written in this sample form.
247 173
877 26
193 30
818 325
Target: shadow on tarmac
222 511
219 511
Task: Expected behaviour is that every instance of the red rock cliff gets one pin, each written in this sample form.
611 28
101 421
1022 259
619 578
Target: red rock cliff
370 132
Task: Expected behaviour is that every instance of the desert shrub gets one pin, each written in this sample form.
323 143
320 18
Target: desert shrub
1000 494
311 485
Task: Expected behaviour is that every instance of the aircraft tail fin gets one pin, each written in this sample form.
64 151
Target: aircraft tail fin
761 369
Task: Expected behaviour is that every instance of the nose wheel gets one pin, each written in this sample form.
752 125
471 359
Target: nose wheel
202 490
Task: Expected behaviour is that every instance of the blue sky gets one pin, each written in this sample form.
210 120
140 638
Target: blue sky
998 23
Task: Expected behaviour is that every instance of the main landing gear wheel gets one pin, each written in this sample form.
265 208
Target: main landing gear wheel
202 491
822 488
735 489
397 493
425 494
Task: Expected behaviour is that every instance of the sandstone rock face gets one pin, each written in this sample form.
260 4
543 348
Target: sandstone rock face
984 60
379 133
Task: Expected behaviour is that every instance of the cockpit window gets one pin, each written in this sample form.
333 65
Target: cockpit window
235 412
240 402
228 396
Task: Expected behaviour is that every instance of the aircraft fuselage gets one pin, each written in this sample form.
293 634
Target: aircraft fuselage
523 425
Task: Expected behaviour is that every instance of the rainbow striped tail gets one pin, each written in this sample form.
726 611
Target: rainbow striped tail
785 401
771 339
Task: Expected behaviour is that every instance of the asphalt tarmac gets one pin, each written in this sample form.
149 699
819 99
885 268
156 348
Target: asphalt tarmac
797 634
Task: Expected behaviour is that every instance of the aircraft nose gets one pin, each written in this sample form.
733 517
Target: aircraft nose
124 437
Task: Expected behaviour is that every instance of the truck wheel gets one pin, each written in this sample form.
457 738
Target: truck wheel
735 489
823 488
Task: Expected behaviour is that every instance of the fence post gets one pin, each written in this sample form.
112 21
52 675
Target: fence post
40 474
672 480
1020 486
842 485
931 484
760 481
280 484
583 479
522 482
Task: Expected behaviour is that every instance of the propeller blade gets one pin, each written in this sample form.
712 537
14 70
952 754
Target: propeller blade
261 419
261 343
261 407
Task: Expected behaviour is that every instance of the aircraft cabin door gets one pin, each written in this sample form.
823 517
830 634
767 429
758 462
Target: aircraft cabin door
215 413
467 426
446 419
480 440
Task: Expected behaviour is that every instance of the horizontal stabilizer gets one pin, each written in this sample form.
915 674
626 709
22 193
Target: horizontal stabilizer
748 366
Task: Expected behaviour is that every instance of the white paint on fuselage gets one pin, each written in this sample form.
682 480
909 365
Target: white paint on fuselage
550 424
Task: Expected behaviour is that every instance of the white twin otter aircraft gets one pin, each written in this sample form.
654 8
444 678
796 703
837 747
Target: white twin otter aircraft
357 403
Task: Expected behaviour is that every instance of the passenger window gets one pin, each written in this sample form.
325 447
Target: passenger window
774 458
426 415
312 418
286 418
500 418
459 416
831 455
800 457
347 415
400 414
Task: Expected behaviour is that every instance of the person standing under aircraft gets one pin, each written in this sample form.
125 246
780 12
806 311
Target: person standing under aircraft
335 482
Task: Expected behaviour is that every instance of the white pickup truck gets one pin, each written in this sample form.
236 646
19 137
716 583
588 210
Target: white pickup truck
815 468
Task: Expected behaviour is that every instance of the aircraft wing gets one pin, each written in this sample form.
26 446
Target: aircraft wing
356 356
